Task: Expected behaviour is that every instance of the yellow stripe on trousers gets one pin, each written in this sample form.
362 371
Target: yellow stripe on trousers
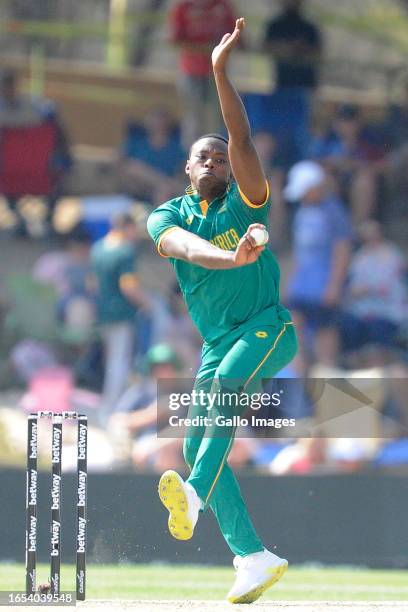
268 354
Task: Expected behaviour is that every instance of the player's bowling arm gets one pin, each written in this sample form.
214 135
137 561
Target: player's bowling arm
245 163
184 245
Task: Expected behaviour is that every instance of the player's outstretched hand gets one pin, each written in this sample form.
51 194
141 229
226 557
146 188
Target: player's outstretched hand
247 252
228 42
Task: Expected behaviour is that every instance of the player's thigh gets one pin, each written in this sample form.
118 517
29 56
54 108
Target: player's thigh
211 358
203 385
258 354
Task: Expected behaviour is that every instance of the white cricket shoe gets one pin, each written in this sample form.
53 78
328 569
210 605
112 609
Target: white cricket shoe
254 574
182 502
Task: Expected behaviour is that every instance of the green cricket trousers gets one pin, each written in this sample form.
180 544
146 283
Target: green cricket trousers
237 364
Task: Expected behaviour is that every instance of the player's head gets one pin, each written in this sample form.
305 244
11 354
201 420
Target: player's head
208 165
125 224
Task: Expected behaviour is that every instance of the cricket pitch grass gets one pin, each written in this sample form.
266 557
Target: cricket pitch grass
159 587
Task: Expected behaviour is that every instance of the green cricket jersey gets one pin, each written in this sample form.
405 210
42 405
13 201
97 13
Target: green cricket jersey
221 302
109 264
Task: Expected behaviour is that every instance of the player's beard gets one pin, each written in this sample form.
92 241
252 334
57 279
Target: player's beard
211 188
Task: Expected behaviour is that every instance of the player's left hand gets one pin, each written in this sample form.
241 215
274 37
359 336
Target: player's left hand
228 42
247 252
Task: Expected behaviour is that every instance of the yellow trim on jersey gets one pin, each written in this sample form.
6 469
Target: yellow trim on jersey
191 190
204 207
244 387
167 231
249 203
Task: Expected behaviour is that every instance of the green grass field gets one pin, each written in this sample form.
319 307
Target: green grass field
203 582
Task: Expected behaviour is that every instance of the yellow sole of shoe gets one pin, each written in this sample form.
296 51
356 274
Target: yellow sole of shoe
254 594
172 496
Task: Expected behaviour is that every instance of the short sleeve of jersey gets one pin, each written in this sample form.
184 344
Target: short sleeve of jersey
254 213
161 221
127 262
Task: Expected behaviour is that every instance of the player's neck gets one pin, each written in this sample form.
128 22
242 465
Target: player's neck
211 194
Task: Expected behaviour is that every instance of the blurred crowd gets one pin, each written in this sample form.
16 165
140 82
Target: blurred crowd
82 330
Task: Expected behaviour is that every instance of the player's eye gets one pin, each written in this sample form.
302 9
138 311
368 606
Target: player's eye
221 161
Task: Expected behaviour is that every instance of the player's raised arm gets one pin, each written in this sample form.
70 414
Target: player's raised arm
245 163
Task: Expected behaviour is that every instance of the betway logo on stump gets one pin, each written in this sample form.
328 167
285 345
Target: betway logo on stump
32 534
81 535
56 492
55 538
32 491
82 441
33 441
81 489
56 445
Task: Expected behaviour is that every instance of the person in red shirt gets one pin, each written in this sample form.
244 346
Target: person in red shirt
195 27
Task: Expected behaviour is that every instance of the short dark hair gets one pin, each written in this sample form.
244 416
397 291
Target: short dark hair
215 136
122 220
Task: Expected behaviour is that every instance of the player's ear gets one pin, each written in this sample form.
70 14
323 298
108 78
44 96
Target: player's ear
187 168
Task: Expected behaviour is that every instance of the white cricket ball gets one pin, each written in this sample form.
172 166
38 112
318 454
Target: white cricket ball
260 236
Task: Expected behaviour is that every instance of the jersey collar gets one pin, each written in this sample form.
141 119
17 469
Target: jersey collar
199 205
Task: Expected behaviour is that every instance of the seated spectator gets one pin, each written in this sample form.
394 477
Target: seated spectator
69 271
153 159
303 456
396 123
76 306
173 326
321 248
16 109
396 127
19 111
138 414
376 298
354 153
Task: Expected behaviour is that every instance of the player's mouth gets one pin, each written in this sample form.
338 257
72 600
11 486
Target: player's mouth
207 173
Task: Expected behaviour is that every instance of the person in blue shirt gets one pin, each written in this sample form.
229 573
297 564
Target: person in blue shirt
153 159
321 253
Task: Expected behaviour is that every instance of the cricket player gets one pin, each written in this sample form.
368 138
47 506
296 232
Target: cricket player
231 287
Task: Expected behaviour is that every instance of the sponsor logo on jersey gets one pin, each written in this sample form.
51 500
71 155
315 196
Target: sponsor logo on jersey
227 240
261 334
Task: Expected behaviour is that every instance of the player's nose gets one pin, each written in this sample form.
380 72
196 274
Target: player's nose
209 163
